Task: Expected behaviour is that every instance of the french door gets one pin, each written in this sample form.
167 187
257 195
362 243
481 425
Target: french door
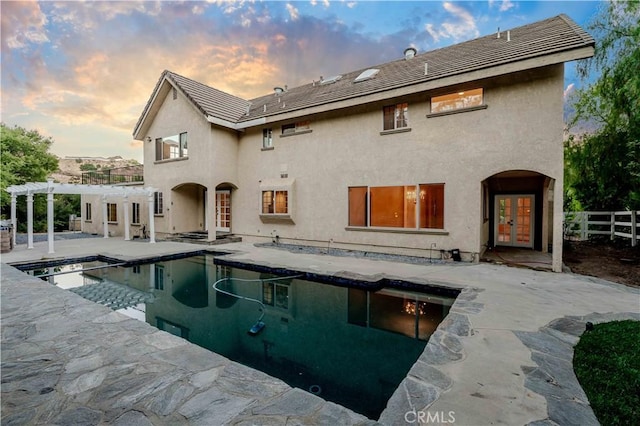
514 220
223 211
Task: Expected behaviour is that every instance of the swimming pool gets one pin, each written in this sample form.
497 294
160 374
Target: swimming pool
349 342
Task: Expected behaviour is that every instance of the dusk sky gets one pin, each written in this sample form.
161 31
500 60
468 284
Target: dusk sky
81 72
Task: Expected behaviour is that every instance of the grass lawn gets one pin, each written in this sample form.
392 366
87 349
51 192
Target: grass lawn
607 364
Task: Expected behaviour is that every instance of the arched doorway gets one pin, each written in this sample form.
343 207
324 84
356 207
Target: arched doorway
188 208
223 212
518 210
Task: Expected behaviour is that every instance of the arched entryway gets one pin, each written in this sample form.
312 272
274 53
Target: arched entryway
223 208
189 208
518 209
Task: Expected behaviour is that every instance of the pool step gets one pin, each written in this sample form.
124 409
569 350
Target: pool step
201 237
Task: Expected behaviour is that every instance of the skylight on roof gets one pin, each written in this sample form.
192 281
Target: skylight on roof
330 80
366 75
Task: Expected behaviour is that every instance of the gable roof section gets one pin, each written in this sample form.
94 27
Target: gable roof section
212 103
557 35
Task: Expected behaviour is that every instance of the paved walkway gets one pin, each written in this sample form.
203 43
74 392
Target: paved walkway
503 355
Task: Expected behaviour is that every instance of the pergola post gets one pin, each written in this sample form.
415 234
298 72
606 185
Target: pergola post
152 225
29 220
14 220
105 226
50 215
125 206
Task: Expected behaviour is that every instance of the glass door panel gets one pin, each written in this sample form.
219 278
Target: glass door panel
514 220
223 211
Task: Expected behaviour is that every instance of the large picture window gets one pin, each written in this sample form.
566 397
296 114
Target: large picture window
275 202
396 116
412 206
172 147
457 100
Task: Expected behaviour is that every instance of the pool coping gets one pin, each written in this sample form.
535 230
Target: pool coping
443 389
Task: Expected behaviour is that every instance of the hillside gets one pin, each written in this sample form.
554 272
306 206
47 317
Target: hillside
70 168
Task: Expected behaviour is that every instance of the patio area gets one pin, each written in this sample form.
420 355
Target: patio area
66 359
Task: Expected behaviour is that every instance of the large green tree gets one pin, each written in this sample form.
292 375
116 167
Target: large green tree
25 158
603 166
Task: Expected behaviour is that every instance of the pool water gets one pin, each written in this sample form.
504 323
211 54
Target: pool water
345 344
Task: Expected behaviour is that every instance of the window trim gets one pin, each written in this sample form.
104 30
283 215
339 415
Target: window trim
87 212
182 147
158 206
267 132
110 219
277 185
482 104
401 230
397 107
299 128
456 111
134 213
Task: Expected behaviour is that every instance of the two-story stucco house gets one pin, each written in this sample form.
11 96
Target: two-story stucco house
456 148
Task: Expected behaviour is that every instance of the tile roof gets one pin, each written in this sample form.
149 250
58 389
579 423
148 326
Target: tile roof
210 101
546 37
553 35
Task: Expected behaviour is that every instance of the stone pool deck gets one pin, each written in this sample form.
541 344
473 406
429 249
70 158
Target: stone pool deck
502 356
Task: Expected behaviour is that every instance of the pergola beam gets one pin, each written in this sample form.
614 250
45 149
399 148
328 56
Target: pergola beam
50 188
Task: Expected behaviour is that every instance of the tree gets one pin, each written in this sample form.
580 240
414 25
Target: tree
603 168
25 158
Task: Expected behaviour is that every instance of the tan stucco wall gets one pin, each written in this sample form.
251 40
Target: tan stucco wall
521 129
211 161
117 229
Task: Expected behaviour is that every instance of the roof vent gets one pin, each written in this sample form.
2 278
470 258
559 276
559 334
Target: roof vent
426 68
366 75
278 90
410 52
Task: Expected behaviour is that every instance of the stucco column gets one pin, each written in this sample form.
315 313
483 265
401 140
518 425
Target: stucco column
50 215
152 225
105 225
14 220
125 206
558 191
29 220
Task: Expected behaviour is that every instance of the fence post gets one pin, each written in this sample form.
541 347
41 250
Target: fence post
634 232
613 225
584 226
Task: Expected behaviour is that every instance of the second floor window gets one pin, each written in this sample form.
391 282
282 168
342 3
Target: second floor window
267 138
298 127
457 101
172 147
396 116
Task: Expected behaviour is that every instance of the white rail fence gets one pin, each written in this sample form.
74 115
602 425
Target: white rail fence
624 224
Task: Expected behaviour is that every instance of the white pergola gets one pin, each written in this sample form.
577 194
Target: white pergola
106 191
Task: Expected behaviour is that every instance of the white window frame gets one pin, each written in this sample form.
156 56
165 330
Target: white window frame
112 208
158 204
87 212
135 213
267 138
400 115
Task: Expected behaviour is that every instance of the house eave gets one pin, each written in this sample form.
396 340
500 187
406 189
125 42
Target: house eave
428 85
